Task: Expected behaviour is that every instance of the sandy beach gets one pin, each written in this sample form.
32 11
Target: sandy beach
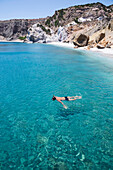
105 51
61 44
18 40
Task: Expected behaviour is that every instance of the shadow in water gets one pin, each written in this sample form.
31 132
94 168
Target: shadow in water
69 111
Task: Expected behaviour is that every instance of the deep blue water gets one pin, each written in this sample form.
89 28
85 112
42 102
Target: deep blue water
38 133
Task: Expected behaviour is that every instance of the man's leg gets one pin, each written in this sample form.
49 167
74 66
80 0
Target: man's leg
74 98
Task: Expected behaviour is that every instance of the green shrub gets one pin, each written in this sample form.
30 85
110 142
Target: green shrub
47 22
54 16
104 8
76 7
61 13
44 29
56 23
51 19
38 25
76 20
22 38
56 12
91 5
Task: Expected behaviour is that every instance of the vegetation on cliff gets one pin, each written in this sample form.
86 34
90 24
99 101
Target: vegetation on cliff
44 29
91 14
22 38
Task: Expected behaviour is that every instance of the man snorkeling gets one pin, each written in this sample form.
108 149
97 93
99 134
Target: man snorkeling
67 98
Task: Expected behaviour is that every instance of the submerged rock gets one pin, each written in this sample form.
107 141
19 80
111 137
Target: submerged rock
83 157
42 139
78 154
61 166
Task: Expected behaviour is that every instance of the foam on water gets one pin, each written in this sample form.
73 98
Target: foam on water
38 133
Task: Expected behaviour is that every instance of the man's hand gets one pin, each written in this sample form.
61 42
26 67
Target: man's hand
65 107
62 104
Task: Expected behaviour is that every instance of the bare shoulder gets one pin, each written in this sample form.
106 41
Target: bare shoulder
59 98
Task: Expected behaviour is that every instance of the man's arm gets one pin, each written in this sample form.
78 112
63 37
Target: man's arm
74 98
62 104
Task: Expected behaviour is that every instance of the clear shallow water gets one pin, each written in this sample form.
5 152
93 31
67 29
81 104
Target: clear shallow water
37 133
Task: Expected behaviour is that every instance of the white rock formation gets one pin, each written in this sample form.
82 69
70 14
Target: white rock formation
62 33
71 24
36 34
84 19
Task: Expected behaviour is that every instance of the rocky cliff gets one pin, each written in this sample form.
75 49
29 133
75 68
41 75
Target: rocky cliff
80 13
15 28
81 25
77 23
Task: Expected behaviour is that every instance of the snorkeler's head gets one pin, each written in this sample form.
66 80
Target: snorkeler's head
53 98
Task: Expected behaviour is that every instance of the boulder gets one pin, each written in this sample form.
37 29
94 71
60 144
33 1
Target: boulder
88 48
100 37
81 40
99 46
2 38
108 45
111 25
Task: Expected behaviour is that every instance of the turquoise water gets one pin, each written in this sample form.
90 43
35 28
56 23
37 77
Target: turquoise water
38 133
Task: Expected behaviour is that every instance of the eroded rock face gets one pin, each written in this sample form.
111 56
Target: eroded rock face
62 33
81 40
39 34
100 37
13 29
36 34
111 25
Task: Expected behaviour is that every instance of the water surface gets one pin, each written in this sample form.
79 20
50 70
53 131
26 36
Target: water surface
38 133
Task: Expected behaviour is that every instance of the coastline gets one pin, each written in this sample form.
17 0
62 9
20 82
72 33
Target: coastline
12 41
61 44
108 52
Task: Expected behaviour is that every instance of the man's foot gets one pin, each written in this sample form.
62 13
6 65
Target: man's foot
78 97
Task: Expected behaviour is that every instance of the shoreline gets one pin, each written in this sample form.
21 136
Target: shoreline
61 44
108 52
12 41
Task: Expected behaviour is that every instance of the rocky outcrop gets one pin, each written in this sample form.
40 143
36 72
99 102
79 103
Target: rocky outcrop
62 33
100 37
65 25
88 13
99 46
13 29
111 25
40 34
81 40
